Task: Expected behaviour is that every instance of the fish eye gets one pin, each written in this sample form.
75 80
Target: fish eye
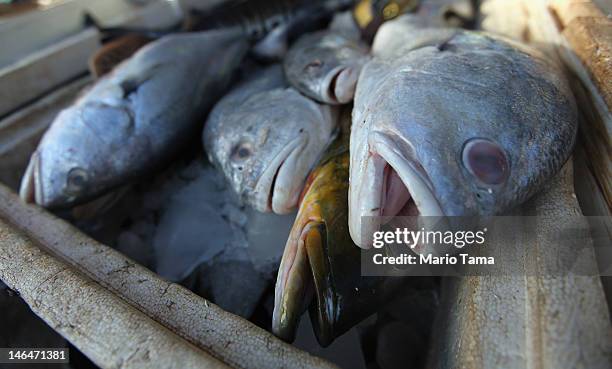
486 161
242 151
76 181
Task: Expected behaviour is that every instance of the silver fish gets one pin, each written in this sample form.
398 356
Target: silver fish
410 30
463 124
265 138
325 66
133 119
272 24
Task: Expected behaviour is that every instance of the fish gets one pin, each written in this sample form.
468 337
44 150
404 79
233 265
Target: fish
344 23
460 123
265 137
325 65
134 119
272 25
410 30
321 266
269 25
370 15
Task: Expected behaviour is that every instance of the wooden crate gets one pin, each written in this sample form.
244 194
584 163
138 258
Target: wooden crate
121 315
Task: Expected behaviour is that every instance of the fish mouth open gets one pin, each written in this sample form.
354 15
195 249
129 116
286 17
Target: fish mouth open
30 190
277 189
392 184
339 86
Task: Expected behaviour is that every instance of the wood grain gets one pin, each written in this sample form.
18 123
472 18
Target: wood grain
578 35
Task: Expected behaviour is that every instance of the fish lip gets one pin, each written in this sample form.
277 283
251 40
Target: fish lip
30 189
283 325
297 269
267 180
330 83
383 150
270 202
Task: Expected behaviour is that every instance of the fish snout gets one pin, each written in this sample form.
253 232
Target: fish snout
390 183
52 184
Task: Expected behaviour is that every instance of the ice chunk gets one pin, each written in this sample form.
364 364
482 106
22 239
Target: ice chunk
231 281
267 235
192 228
207 239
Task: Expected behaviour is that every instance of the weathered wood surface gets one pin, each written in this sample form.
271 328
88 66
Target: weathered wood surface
578 35
46 49
23 33
234 340
588 33
46 69
21 131
112 333
527 318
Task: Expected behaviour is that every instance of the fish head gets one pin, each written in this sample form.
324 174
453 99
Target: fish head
321 266
73 162
267 147
325 66
438 139
405 173
318 241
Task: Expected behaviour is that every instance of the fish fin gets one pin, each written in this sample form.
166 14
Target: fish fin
132 82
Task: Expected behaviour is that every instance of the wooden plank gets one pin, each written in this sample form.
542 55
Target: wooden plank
578 35
36 73
45 70
21 35
15 8
21 131
595 136
593 205
526 317
157 14
228 337
588 33
108 330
